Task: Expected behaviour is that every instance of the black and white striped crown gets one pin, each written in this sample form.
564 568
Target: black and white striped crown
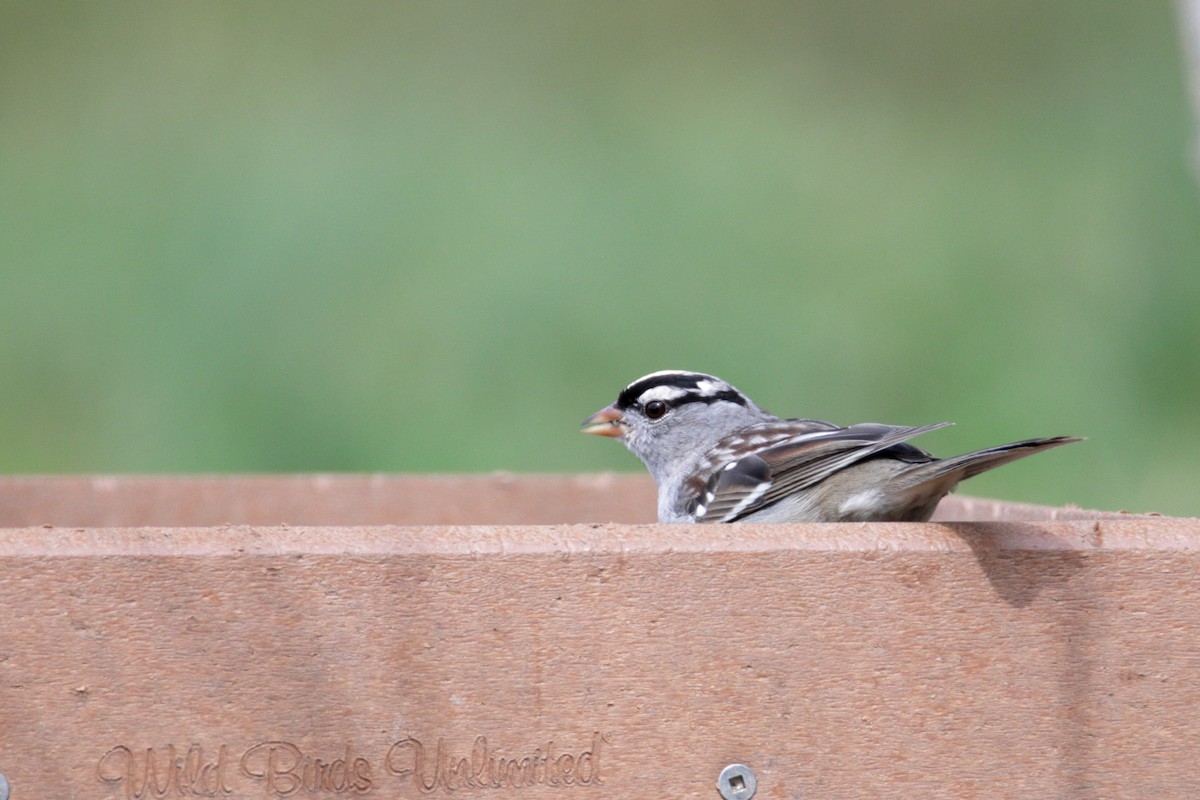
675 387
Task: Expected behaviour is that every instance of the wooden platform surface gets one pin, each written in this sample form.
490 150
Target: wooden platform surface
341 499
1025 658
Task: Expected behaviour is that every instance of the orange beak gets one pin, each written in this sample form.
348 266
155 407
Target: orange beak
605 422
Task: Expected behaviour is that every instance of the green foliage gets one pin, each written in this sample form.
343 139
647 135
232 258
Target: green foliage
433 236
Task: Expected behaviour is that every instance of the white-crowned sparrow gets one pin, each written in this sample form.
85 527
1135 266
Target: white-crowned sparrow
718 457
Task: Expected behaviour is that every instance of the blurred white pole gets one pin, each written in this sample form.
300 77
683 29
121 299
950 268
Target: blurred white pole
1189 24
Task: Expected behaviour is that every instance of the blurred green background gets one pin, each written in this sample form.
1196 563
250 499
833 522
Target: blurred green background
434 236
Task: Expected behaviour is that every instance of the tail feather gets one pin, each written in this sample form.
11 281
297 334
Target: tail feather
969 465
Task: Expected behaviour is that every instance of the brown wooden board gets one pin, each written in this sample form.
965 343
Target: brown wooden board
1039 659
340 499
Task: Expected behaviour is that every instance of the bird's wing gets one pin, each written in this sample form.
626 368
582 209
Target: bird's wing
745 485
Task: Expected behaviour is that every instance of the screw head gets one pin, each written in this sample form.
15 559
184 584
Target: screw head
737 782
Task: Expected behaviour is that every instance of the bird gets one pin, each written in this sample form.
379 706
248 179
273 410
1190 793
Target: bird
718 457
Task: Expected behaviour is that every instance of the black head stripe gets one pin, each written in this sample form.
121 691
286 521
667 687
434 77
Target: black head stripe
728 395
689 382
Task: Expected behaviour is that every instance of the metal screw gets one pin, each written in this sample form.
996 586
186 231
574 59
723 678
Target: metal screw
3 788
736 782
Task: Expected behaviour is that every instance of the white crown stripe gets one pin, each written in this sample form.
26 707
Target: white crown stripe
664 393
660 374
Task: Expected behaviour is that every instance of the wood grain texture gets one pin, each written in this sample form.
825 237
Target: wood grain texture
964 660
495 499
338 499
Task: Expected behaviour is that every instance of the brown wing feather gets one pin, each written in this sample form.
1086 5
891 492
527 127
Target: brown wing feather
746 485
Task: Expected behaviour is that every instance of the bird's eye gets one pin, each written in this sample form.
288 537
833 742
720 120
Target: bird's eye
655 409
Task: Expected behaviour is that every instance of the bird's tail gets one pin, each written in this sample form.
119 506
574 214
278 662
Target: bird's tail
968 465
